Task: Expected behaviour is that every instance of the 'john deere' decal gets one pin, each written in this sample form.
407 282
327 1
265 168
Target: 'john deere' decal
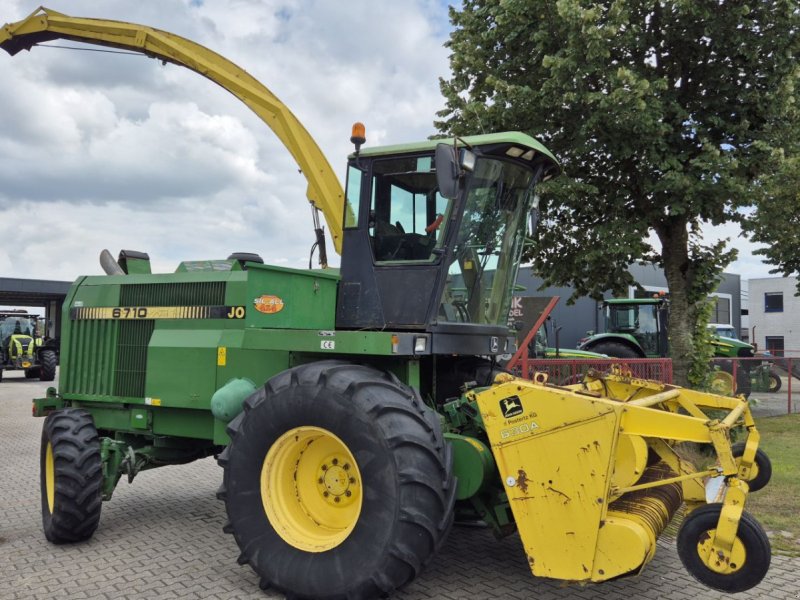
511 406
268 304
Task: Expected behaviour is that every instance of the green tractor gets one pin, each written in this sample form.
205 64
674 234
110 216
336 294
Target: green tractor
638 328
355 412
22 347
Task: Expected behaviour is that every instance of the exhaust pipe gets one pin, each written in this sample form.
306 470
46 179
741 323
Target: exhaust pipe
110 266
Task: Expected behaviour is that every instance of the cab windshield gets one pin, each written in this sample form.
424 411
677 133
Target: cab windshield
488 244
15 326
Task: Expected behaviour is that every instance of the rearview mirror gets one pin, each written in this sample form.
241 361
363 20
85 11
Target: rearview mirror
534 216
447 171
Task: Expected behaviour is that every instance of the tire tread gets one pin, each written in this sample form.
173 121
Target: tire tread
78 476
413 433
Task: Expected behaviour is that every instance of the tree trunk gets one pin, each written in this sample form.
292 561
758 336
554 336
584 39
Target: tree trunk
674 236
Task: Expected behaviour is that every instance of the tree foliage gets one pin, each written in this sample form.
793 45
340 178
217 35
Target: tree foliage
666 115
776 222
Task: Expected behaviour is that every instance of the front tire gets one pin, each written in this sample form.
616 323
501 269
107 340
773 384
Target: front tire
71 476
285 469
47 370
751 549
615 349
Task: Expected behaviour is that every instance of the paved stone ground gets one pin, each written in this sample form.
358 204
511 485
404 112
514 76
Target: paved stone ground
770 405
162 538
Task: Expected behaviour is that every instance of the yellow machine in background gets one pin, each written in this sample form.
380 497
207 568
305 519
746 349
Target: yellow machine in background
593 477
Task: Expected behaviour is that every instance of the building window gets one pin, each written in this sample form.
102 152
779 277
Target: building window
722 311
773 302
775 344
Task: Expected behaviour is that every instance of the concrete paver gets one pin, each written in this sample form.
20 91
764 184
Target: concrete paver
161 537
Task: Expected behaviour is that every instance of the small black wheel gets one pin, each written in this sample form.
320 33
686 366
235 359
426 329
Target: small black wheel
71 476
1 374
750 558
47 371
32 373
761 472
338 482
614 349
775 382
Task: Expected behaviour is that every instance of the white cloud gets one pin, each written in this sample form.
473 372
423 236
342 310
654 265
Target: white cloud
99 150
105 151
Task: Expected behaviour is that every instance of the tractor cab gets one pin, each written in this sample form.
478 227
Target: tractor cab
16 324
644 319
635 328
433 236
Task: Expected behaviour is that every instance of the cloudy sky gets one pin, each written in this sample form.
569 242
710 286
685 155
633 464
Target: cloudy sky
102 150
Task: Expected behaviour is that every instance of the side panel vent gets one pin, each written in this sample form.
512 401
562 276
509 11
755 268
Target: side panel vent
201 293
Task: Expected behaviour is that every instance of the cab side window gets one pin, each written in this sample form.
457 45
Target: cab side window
407 214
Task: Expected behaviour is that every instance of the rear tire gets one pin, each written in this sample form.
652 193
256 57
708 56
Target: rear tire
754 546
47 371
775 382
71 476
402 476
744 385
614 349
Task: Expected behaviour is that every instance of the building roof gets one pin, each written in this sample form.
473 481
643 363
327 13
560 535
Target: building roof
31 292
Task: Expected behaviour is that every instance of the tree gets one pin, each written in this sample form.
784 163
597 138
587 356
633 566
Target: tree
776 222
666 115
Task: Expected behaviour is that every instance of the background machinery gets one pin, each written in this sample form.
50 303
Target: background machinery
355 411
22 346
639 328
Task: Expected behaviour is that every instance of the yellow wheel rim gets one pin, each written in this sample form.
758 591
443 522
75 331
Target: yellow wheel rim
713 562
722 383
50 477
311 489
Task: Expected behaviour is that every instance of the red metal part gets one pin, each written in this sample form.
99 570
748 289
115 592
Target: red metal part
522 351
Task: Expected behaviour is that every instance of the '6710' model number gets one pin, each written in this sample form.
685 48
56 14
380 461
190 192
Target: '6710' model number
129 312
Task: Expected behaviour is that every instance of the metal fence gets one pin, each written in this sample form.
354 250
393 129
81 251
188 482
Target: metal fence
769 381
564 371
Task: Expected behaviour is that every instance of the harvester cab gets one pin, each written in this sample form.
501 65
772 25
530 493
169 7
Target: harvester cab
434 236
355 413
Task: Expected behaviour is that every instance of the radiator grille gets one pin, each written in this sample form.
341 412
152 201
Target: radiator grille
109 358
92 354
132 357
